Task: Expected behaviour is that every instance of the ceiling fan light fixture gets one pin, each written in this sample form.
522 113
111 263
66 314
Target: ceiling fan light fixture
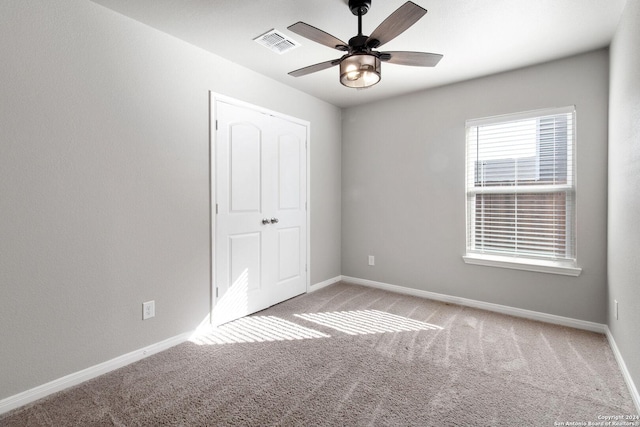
360 70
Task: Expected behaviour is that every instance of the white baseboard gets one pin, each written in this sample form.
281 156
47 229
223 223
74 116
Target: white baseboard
324 283
512 311
625 372
75 378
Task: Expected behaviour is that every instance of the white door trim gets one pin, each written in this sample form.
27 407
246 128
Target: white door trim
213 98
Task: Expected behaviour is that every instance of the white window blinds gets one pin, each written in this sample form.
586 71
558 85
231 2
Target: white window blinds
521 185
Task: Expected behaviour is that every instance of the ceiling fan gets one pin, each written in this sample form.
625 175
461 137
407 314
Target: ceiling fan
360 66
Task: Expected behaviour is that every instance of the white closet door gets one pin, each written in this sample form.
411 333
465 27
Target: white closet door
260 225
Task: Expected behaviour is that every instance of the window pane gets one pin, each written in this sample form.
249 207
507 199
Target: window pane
520 194
524 224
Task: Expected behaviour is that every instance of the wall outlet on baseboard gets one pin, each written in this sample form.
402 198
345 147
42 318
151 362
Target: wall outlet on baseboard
372 260
148 309
615 307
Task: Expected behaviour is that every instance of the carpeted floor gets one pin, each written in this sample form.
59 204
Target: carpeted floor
350 355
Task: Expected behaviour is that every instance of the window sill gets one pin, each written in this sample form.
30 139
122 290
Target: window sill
540 266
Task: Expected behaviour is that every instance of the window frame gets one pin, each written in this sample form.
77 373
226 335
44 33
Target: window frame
513 260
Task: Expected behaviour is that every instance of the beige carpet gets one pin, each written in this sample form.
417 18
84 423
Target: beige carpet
349 355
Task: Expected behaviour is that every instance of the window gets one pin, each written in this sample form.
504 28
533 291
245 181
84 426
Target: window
521 191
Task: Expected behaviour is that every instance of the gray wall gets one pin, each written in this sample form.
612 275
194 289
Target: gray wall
404 194
104 184
624 189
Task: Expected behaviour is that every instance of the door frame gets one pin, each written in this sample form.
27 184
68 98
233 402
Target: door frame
215 97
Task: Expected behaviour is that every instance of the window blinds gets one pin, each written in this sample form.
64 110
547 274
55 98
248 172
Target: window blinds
521 185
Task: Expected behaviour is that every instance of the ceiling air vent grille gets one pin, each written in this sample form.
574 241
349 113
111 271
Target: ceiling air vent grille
277 42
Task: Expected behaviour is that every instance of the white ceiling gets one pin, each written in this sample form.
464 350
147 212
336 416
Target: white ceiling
476 37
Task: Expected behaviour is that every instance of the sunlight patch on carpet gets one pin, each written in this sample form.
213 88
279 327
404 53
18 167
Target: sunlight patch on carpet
362 322
256 329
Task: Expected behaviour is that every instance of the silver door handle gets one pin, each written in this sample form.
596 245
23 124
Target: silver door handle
274 220
266 221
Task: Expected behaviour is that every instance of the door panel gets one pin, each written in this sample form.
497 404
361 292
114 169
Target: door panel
245 158
289 182
245 260
290 188
288 253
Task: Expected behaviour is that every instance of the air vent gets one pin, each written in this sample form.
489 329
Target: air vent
277 42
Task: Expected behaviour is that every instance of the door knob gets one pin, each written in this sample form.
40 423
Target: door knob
274 220
266 221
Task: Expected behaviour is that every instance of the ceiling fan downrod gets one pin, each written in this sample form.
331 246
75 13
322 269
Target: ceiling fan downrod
359 8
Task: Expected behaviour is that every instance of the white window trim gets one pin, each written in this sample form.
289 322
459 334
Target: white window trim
561 267
520 116
566 268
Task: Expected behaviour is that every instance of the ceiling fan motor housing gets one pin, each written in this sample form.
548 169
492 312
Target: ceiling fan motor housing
359 7
358 43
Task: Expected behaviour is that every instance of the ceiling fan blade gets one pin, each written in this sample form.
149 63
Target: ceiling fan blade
313 68
395 24
416 59
312 33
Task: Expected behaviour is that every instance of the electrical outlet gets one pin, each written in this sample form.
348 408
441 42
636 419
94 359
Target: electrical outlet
372 260
615 304
148 309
